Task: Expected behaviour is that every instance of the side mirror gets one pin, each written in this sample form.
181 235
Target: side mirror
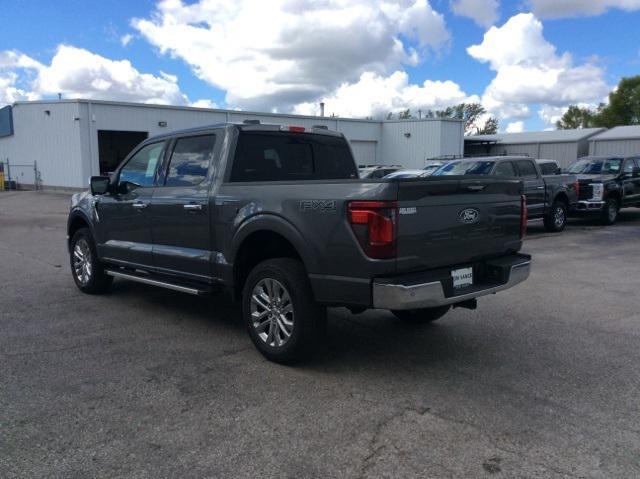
99 185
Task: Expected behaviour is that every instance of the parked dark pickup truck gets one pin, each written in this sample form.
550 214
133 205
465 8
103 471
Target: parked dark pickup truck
278 217
549 197
606 185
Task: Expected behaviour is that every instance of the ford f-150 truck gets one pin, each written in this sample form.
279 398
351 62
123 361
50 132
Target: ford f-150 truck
277 216
549 197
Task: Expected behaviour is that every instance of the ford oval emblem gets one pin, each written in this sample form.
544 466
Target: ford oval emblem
469 216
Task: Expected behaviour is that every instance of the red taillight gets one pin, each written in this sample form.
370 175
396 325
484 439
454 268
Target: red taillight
374 223
576 186
523 216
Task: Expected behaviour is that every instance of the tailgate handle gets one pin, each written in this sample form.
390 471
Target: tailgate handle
476 187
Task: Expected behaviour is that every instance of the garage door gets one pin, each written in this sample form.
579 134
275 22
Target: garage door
364 152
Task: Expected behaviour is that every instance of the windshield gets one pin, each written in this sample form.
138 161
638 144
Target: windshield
465 168
596 166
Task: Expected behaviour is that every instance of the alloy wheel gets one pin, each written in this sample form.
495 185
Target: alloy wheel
272 314
82 261
559 217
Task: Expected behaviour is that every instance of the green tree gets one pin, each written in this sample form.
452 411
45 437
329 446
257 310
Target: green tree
577 117
490 127
624 105
471 114
405 114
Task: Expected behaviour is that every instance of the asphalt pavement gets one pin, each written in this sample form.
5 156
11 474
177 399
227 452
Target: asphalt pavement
540 381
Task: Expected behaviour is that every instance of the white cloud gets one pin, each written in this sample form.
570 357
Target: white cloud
579 8
277 54
515 127
126 39
375 96
530 71
205 103
483 12
78 73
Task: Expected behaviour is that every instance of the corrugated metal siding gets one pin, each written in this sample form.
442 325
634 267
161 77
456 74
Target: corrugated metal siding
563 153
365 152
132 118
615 147
516 149
452 139
65 143
426 140
53 140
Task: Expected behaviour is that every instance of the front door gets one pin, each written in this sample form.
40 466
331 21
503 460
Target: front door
180 210
123 221
630 182
533 187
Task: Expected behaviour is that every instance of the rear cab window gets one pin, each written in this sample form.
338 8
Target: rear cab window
527 170
548 168
275 156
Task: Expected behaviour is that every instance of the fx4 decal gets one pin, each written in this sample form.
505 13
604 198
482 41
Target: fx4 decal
322 206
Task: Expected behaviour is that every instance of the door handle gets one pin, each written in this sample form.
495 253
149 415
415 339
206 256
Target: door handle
139 206
540 188
192 207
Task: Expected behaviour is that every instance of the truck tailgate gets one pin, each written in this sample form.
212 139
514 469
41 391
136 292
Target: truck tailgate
457 220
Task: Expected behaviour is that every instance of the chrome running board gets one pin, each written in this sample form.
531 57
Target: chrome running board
155 282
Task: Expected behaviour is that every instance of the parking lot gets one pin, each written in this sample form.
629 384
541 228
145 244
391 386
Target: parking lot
540 381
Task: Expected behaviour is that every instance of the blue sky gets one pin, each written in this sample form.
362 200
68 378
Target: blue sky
292 54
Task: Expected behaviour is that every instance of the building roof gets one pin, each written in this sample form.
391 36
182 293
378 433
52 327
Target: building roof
552 136
220 110
620 133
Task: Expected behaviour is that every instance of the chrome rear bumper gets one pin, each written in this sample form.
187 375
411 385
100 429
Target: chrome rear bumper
432 294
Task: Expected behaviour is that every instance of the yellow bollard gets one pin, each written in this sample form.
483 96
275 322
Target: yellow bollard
1 176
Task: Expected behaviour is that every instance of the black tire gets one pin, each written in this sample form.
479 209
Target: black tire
307 318
421 316
556 219
92 279
610 212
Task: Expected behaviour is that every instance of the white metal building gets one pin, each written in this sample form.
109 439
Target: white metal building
564 146
621 140
71 140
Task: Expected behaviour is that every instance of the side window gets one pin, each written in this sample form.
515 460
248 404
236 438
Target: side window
333 160
190 159
505 169
527 169
638 162
140 170
628 166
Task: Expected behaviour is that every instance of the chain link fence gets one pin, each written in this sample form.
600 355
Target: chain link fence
14 176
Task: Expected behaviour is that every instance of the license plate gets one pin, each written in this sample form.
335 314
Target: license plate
462 277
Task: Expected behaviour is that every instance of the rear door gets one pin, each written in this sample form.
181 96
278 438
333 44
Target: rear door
124 229
180 209
534 187
448 221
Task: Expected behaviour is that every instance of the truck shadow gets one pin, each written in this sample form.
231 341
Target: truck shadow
371 339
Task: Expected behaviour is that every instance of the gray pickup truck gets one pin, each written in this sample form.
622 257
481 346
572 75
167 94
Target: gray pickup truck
277 216
549 197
